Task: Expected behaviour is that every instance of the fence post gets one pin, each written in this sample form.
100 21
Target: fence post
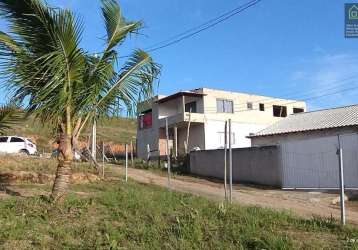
148 153
132 157
230 160
103 159
94 139
341 182
168 150
225 160
126 162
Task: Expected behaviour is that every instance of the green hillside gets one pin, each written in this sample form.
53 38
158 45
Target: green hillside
115 130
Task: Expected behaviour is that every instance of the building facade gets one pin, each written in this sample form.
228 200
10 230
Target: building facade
196 119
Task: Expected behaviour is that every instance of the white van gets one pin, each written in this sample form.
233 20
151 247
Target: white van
16 144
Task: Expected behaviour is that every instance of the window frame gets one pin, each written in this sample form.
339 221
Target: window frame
16 138
301 110
187 105
283 111
7 138
262 107
223 102
250 105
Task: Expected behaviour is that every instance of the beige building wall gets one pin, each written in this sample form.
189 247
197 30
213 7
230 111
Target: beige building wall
207 123
241 113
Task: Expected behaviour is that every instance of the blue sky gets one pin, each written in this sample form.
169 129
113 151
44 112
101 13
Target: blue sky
285 48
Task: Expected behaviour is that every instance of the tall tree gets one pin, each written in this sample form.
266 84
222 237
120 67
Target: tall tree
60 82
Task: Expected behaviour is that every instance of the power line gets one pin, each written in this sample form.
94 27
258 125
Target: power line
199 26
306 94
243 8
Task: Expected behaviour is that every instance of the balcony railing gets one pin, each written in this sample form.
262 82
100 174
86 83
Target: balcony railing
182 118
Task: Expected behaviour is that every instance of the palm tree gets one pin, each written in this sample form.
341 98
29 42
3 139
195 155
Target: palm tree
60 82
10 115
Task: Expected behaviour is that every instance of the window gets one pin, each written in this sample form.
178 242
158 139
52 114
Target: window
16 139
224 106
279 111
250 105
298 110
191 106
262 107
145 119
3 139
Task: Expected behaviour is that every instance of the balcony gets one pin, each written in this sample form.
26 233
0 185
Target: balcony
182 119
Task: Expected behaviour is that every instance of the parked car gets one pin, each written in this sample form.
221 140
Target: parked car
16 144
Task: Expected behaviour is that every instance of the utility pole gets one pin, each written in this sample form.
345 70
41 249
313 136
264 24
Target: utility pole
188 133
168 150
341 182
225 160
94 139
230 160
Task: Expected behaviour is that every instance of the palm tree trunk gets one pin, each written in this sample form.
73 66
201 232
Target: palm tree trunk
63 173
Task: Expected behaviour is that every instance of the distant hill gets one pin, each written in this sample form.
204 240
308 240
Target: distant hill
114 130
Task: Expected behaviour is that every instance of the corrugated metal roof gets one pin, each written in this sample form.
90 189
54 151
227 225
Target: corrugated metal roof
316 120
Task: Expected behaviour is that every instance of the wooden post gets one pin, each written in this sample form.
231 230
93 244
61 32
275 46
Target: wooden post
341 182
168 150
132 157
230 161
188 133
225 160
126 162
176 142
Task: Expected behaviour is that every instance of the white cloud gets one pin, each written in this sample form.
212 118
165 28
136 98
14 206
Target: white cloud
324 74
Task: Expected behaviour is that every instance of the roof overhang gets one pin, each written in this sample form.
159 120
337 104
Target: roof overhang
179 94
301 131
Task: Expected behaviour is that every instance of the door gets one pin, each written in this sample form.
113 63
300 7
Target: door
16 144
4 144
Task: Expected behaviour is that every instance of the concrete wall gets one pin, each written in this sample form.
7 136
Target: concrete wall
250 165
197 137
148 135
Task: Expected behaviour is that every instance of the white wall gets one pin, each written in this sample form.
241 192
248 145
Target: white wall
214 134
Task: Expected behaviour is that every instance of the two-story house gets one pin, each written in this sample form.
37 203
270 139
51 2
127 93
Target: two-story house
207 110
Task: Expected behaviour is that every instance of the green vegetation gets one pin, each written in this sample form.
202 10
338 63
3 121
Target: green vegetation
119 215
36 165
117 130
62 83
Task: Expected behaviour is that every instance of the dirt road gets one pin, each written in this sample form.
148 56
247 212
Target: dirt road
305 203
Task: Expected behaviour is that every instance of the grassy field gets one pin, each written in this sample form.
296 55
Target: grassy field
113 214
116 130
118 215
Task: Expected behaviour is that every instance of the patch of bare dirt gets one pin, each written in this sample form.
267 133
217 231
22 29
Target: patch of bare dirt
303 203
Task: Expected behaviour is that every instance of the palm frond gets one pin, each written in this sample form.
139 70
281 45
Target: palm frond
10 115
132 83
116 26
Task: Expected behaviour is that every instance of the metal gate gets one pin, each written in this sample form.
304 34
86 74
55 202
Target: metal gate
314 163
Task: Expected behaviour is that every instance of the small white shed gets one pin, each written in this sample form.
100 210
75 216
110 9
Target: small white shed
308 144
